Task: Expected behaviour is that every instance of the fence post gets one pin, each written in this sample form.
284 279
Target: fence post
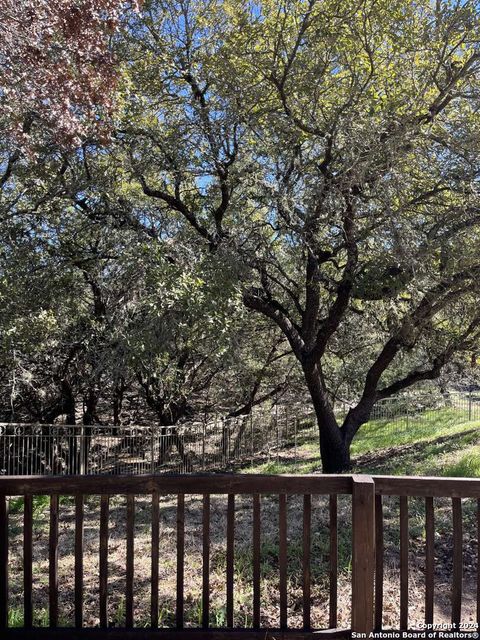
3 562
295 425
229 435
286 426
204 441
470 404
363 552
83 455
251 436
408 411
278 433
152 446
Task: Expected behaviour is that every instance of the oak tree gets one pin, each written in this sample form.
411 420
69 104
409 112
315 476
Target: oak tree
330 150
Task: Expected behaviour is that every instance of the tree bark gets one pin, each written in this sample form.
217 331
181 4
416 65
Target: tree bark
334 451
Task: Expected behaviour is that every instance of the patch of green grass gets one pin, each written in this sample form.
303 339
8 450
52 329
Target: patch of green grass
427 425
39 503
430 457
273 467
424 429
218 616
119 615
15 617
467 467
166 615
40 617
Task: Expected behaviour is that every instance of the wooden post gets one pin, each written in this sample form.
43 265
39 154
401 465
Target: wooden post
79 515
256 560
363 553
206 562
130 568
333 561
3 562
27 561
379 559
154 559
53 562
103 560
180 559
457 576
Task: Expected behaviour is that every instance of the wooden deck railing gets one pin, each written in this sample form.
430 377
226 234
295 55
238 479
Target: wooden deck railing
428 489
367 567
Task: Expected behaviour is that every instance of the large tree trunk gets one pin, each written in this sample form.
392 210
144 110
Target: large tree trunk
334 450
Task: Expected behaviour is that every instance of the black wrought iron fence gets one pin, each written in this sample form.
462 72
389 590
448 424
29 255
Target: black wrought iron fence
215 444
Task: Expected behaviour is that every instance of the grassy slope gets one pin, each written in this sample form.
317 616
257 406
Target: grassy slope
438 442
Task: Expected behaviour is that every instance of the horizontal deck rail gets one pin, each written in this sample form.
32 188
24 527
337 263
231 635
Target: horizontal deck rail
427 486
363 520
216 483
169 634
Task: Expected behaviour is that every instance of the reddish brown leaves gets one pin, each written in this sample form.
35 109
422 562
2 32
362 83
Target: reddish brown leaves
56 66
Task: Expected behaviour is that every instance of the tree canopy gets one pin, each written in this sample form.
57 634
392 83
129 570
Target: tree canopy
316 161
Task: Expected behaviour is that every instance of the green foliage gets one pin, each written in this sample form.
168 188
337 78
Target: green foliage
312 162
467 467
421 427
425 445
39 505
15 617
323 148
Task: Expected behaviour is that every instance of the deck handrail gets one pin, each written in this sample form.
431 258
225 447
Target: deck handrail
367 546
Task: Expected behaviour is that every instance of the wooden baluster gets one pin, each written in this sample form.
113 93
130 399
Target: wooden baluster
333 560
457 576
104 508
230 556
429 559
27 561
3 562
282 558
78 561
378 562
306 544
478 563
180 557
130 561
53 562
363 553
403 562
256 561
206 562
155 559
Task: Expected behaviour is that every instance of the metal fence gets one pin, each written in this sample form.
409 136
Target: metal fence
217 444
33 449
